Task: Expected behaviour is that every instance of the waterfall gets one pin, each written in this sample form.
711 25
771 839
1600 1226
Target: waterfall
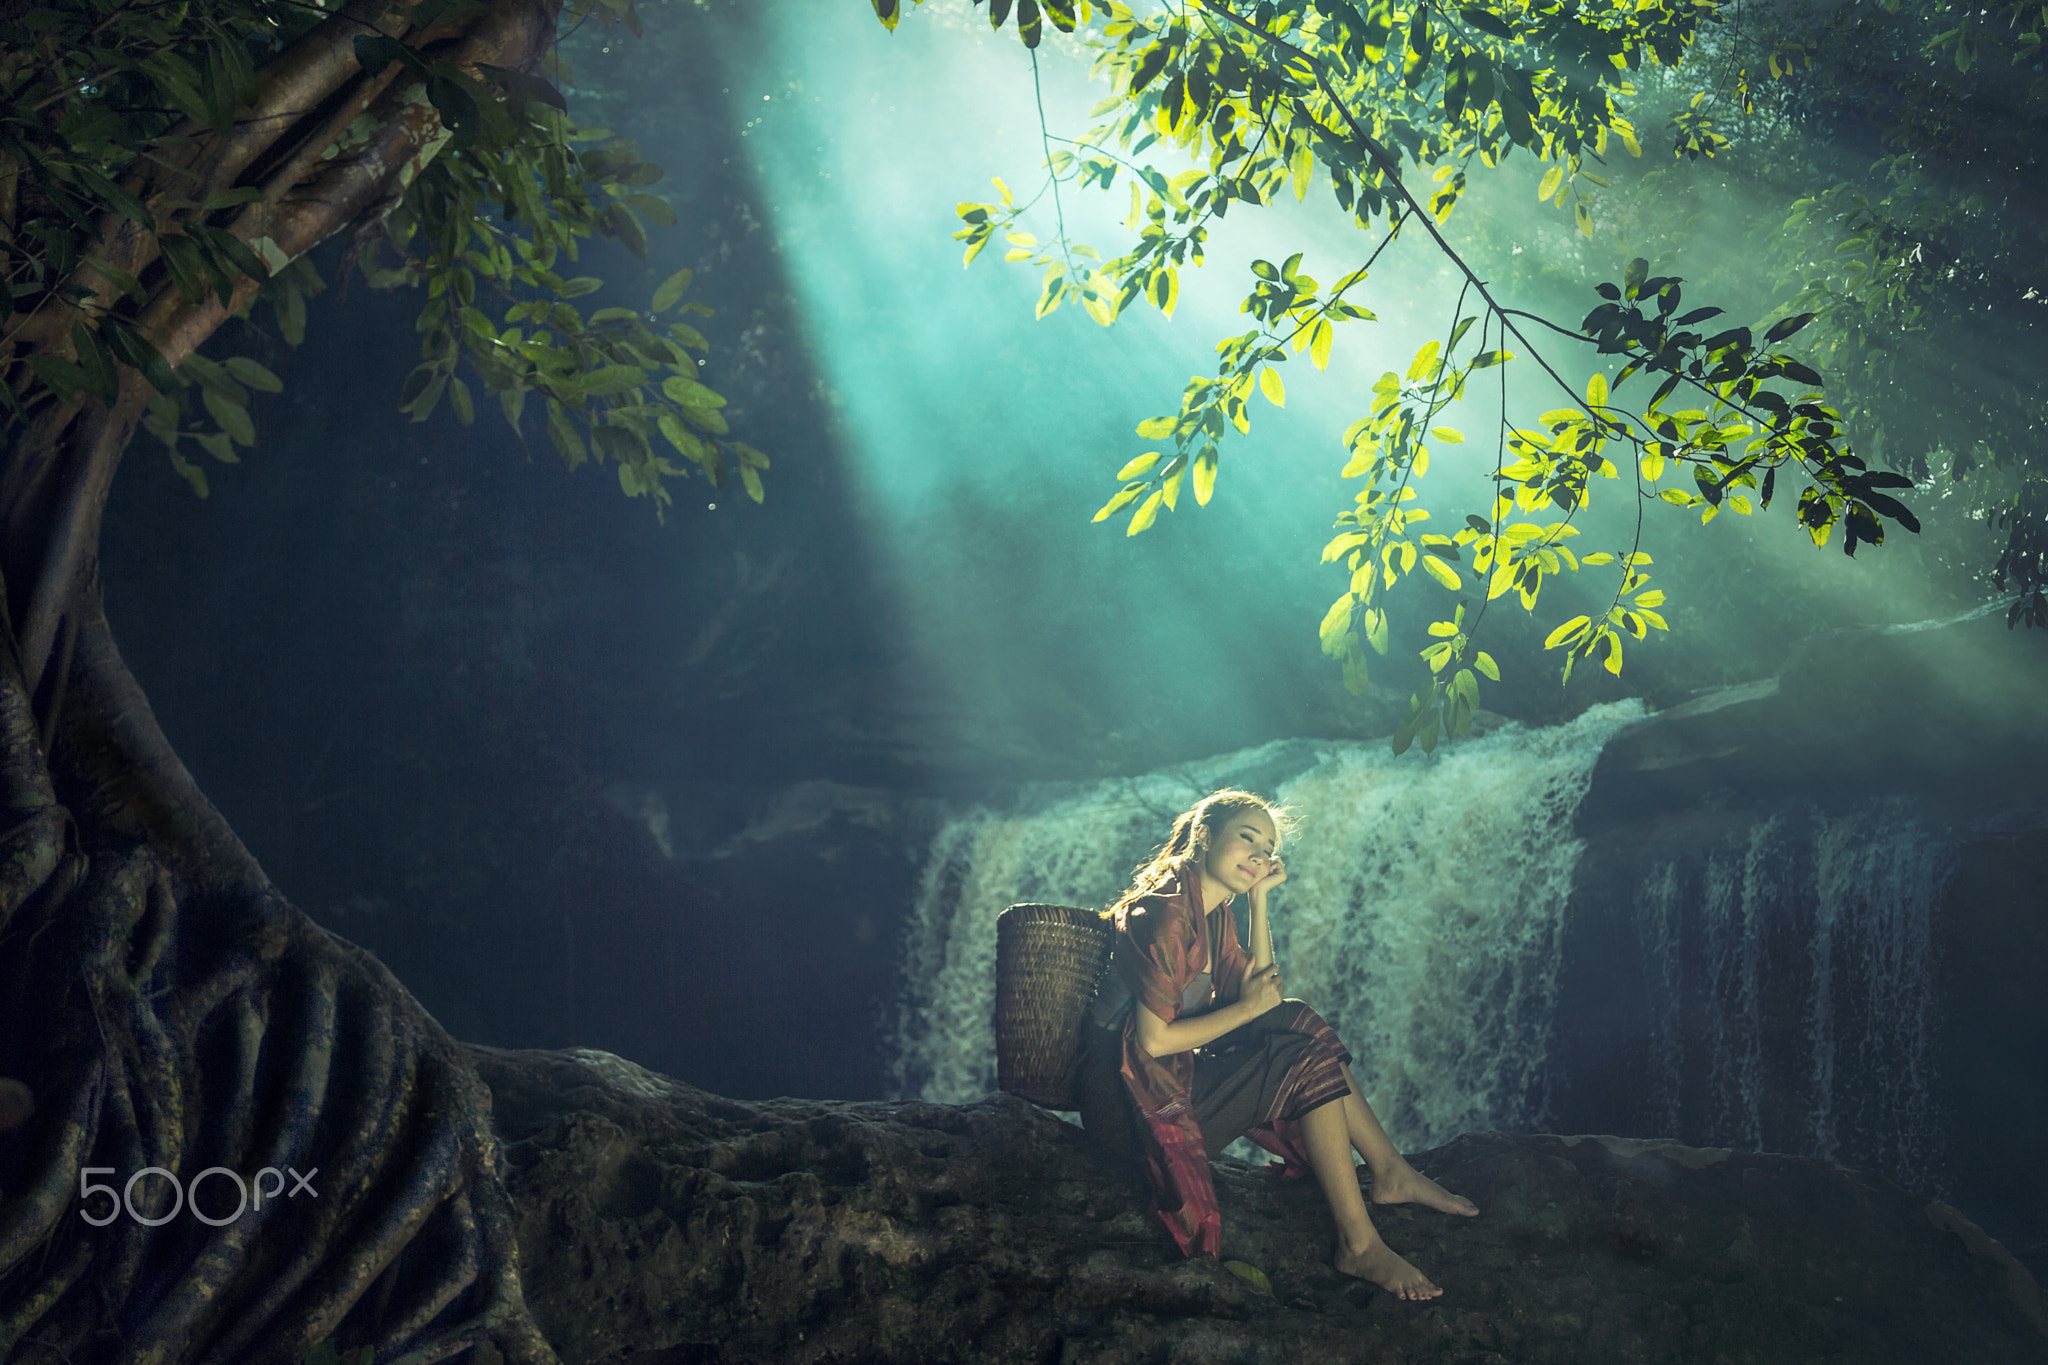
1791 979
1421 917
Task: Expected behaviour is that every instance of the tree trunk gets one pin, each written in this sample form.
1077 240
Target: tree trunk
166 1007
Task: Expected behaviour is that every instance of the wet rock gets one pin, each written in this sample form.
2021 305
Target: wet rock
662 1223
1807 919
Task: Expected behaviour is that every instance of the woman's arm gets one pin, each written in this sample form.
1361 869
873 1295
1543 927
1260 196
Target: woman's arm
1261 930
1259 993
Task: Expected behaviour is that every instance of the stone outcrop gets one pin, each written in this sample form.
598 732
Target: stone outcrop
662 1225
1734 802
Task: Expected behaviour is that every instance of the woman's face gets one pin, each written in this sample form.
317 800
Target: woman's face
1242 851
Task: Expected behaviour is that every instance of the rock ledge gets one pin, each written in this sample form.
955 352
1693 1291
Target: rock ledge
662 1225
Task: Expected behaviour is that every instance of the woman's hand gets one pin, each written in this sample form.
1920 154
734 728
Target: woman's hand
1276 875
1260 991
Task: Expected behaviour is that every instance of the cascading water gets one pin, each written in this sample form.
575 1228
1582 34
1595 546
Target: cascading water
1792 984
1421 916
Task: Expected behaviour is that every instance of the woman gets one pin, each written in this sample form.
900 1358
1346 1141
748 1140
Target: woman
1207 1050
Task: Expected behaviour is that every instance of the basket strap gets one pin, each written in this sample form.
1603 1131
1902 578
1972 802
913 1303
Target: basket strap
1113 999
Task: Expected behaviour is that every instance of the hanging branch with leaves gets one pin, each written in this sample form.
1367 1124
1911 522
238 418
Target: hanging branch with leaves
154 180
1262 97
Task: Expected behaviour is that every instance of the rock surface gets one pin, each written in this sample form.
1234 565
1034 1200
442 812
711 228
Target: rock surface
1696 929
662 1225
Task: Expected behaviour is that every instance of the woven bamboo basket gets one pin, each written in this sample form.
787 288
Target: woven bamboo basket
1047 960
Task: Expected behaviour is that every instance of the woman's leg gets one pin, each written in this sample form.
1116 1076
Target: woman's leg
1361 1251
1394 1181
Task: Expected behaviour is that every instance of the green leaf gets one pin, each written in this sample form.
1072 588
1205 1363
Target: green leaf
1153 428
233 417
1271 386
290 306
618 221
1486 21
135 351
653 208
1139 465
1355 678
608 380
706 419
1122 500
1570 630
563 434
1787 327
1416 64
617 443
687 392
118 277
1485 664
1147 513
1336 626
687 443
520 85
266 250
1249 1273
1425 361
671 291
374 52
1205 475
193 475
254 375
1441 572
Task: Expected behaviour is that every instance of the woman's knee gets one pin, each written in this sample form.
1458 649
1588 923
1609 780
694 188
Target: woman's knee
1300 1017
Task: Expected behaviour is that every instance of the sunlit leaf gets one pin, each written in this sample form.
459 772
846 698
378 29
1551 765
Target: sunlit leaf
1570 630
1442 572
1122 500
1336 625
1320 341
1204 475
1147 513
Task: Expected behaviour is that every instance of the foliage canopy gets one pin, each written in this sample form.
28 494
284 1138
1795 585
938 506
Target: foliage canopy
163 166
1260 97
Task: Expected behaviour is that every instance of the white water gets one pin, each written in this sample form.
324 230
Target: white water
1848 905
1421 917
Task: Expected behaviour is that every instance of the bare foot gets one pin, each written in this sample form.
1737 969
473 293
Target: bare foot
1379 1264
1406 1185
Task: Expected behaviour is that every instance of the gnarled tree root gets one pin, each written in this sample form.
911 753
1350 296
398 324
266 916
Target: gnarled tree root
168 1009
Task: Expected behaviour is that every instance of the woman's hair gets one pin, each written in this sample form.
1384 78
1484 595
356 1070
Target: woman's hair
1192 830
